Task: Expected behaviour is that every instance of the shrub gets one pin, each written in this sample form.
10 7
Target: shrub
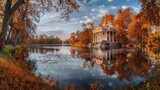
6 51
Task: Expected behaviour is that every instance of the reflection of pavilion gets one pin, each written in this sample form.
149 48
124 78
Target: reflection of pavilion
127 63
104 57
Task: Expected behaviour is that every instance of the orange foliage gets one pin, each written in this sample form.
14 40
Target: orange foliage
12 77
122 21
73 39
135 28
107 18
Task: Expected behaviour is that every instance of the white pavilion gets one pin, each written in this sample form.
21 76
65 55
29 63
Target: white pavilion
105 33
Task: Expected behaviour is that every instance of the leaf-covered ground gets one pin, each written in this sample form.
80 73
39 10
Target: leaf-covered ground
17 75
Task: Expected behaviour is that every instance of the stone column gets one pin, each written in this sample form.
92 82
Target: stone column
112 36
106 36
109 36
93 37
106 56
113 54
98 36
109 55
116 39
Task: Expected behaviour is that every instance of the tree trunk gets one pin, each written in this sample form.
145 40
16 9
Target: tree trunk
7 41
23 17
6 20
16 37
8 12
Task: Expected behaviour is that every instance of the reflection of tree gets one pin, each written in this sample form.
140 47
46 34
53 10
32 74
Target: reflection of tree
86 54
153 54
127 63
127 67
83 53
88 64
107 69
43 50
73 51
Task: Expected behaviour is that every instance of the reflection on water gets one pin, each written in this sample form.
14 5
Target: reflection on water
115 67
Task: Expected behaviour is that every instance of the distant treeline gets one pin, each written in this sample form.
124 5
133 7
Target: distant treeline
44 39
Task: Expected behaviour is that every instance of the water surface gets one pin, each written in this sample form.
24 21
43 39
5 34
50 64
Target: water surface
83 66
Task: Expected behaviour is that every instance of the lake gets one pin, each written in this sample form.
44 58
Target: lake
83 66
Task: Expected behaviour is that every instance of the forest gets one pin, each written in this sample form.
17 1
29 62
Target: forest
45 39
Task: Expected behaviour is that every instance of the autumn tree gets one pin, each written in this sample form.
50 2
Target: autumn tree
150 14
121 22
88 27
29 13
17 11
107 18
136 30
150 10
73 39
84 37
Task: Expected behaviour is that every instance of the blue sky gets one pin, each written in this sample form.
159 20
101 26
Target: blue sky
52 23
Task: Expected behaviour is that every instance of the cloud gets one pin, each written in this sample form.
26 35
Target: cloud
85 17
55 33
48 17
95 14
124 7
136 9
93 9
85 21
88 20
74 21
103 10
113 7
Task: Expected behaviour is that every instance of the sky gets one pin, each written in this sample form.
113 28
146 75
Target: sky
52 24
